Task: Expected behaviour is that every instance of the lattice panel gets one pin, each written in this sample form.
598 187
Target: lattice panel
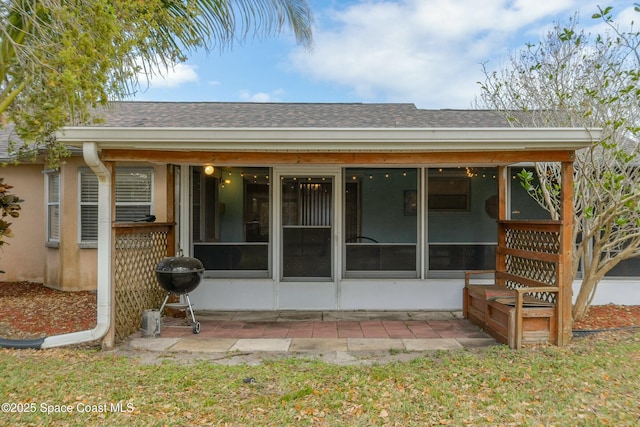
136 287
535 269
533 240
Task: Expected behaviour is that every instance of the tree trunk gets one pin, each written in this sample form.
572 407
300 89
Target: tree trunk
583 300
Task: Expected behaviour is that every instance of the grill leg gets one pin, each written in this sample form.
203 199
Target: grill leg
196 325
190 309
165 302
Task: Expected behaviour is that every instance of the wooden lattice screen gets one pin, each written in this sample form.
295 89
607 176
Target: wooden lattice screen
531 250
138 249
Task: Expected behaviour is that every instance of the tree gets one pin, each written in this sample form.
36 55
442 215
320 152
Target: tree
60 59
575 79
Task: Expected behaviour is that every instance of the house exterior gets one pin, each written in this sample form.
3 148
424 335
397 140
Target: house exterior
292 206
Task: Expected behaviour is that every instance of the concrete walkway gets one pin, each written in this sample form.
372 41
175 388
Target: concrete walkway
313 331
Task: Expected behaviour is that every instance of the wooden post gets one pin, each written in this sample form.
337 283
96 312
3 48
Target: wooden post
502 215
565 294
171 209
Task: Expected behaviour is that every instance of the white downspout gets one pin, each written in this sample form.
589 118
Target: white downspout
92 159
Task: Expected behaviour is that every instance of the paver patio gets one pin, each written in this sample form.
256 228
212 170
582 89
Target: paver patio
315 332
324 325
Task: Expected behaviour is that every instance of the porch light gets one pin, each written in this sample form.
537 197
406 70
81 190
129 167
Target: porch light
208 169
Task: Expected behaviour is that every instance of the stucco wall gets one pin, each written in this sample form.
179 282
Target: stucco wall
67 266
74 268
22 258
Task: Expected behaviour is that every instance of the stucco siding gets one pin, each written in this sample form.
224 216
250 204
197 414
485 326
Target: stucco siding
22 257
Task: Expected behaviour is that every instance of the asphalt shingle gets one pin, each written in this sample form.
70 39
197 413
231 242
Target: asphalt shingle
137 114
291 115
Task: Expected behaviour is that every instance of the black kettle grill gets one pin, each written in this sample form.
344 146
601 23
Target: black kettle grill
180 275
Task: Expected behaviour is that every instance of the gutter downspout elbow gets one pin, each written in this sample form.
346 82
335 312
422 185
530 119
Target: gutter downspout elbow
104 302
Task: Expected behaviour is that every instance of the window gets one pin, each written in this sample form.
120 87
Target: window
134 198
627 268
230 213
461 219
381 222
134 190
53 207
88 206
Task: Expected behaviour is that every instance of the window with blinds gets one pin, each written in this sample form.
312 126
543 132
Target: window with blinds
134 198
53 207
88 206
133 194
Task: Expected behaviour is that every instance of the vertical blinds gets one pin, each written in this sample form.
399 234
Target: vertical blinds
315 204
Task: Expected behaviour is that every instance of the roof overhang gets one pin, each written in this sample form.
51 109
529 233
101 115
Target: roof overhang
332 139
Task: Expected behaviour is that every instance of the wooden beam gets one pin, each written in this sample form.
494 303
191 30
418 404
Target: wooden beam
240 158
565 319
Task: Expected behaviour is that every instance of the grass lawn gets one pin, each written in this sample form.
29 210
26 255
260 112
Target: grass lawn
594 381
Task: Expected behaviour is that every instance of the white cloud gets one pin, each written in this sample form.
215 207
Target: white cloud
273 96
427 52
175 76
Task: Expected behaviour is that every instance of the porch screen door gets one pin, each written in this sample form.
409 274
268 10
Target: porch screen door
307 222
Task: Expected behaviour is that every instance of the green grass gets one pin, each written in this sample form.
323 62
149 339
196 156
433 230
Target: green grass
595 381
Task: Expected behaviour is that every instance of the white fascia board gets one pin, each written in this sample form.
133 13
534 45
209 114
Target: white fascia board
332 139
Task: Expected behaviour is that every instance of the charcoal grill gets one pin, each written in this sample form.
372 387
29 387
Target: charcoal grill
180 275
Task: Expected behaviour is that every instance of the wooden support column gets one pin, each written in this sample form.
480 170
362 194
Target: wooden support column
565 294
171 209
502 215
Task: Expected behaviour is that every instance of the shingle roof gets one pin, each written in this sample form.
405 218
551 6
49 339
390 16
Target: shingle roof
286 115
291 115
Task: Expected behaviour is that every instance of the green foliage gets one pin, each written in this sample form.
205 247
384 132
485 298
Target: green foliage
63 59
526 179
9 207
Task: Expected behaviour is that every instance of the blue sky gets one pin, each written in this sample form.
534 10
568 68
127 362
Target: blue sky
426 52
